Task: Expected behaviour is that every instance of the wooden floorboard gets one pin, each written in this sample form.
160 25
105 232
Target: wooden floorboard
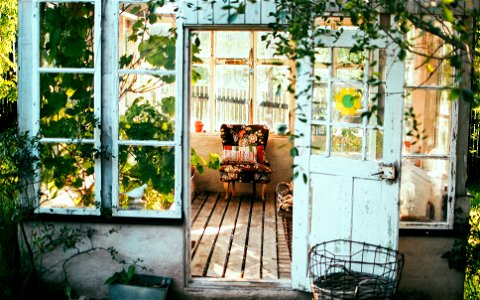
241 237
237 250
254 243
269 264
218 262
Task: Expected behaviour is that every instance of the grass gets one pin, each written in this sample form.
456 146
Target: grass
472 271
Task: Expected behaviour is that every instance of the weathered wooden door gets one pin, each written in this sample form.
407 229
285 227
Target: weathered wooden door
347 185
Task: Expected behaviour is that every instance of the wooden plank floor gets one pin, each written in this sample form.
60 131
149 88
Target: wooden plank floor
241 237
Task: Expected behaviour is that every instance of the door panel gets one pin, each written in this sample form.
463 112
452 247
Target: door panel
341 193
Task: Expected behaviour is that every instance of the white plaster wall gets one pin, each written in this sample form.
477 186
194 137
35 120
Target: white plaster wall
277 153
426 275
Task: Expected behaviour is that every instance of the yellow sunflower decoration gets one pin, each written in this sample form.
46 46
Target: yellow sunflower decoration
348 101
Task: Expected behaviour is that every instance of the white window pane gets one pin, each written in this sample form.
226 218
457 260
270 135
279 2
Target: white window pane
232 44
420 68
272 99
66 108
146 37
348 65
424 189
199 98
67 176
232 94
146 108
149 170
427 122
66 35
346 142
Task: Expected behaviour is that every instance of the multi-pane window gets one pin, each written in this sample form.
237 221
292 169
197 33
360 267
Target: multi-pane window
144 145
342 92
69 103
236 78
426 181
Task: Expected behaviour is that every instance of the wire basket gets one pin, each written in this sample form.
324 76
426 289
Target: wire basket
344 269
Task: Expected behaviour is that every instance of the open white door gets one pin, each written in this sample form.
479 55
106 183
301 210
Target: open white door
348 186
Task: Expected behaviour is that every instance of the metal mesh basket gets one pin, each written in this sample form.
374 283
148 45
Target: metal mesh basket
344 269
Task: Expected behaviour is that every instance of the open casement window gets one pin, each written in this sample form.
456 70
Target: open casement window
69 103
427 184
146 140
106 127
237 79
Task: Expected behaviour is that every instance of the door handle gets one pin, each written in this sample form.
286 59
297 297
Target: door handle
386 172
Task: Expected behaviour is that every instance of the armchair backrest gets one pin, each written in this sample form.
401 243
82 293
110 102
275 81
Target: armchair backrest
244 135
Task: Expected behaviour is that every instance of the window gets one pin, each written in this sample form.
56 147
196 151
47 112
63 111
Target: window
427 160
69 103
237 79
132 126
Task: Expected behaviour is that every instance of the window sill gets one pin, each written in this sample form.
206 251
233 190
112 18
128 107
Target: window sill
43 217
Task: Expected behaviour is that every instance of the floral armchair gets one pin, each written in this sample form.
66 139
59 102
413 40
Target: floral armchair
243 157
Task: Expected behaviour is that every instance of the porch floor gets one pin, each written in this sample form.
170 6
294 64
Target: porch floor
241 237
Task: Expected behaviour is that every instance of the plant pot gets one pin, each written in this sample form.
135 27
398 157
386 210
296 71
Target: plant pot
198 126
146 287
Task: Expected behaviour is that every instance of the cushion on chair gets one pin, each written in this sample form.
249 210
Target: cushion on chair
235 154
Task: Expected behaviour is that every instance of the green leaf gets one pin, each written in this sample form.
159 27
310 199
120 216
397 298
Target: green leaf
294 151
448 15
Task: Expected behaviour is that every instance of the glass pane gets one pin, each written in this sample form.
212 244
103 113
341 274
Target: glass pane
273 98
147 36
232 94
67 176
348 65
66 34
319 103
334 22
347 142
322 62
152 169
376 104
146 108
266 48
66 108
427 122
375 144
319 140
204 43
422 70
347 103
232 44
200 95
424 189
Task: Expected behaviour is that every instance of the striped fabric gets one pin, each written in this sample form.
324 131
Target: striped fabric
240 154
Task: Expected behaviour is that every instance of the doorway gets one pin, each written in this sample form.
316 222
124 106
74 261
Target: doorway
235 80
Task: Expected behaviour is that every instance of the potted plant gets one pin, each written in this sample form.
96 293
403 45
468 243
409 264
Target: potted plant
126 284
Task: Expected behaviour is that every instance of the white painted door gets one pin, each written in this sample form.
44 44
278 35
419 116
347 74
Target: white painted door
340 192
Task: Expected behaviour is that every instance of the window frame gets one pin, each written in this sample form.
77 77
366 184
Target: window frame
451 157
38 70
252 62
105 91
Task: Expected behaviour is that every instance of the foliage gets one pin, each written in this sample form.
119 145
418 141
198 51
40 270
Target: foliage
8 31
198 163
67 109
17 166
472 251
124 276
